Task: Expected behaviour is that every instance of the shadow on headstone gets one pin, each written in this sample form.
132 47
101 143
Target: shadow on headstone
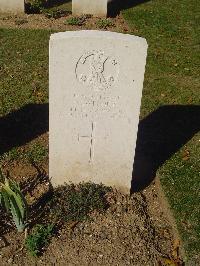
161 134
23 125
115 6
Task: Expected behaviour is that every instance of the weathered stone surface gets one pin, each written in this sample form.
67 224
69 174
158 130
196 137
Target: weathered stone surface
94 7
96 81
12 6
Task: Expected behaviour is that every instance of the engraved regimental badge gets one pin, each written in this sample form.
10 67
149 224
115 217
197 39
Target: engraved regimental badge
96 69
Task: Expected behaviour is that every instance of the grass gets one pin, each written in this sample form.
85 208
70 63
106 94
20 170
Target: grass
23 84
104 23
24 69
172 78
171 31
34 153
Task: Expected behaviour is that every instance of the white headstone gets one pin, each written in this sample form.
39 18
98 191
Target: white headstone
12 6
96 81
93 7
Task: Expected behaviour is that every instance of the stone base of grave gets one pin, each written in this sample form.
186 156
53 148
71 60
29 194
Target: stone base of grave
94 7
13 6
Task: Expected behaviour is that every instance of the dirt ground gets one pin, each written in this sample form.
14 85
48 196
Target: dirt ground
136 230
40 21
133 231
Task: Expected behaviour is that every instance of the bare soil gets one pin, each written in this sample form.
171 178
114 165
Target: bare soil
136 230
40 21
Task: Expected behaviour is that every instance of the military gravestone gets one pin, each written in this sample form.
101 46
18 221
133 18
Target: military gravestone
96 81
94 7
12 6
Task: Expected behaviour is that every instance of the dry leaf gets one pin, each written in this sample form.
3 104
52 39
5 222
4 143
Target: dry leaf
72 225
169 262
175 249
186 155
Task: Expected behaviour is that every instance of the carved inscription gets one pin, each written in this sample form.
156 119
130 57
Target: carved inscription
97 72
90 138
95 105
96 69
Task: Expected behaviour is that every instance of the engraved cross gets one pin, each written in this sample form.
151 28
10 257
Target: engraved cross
91 142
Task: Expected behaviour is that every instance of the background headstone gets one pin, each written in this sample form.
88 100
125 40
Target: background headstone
96 81
12 6
94 7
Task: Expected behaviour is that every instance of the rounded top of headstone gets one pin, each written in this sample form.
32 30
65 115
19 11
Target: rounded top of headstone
98 34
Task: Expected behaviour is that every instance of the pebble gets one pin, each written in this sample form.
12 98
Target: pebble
10 260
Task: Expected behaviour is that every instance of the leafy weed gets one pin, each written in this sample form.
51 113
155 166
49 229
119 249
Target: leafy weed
39 239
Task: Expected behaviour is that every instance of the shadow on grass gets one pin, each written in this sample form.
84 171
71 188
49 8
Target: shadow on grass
115 6
35 8
23 125
161 134
51 3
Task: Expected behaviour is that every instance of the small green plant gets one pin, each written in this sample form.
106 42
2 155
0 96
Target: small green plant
104 23
75 21
56 13
38 239
76 202
14 202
